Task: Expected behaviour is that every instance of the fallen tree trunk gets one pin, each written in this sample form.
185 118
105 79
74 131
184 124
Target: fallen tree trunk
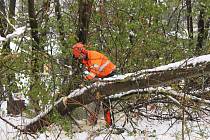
159 76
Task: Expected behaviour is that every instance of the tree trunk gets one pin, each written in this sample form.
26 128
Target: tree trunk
189 19
44 20
35 64
201 33
85 9
35 41
33 24
207 28
12 8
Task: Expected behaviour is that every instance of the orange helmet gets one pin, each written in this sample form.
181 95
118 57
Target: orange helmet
78 49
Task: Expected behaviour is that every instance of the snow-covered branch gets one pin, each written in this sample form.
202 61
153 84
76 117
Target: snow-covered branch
187 63
16 33
170 91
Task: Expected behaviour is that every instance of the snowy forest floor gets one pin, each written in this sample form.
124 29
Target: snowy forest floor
145 130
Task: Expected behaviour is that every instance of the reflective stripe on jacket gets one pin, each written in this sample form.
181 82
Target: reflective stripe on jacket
98 65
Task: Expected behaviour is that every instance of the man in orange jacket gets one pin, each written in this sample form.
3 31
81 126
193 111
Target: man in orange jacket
98 66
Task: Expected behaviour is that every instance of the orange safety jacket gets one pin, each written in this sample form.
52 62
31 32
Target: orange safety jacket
97 65
108 118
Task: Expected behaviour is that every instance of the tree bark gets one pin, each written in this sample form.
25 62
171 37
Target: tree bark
207 28
12 4
33 24
34 33
189 19
36 66
104 89
85 9
201 33
44 21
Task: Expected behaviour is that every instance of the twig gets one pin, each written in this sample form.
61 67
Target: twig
58 134
16 127
170 127
6 18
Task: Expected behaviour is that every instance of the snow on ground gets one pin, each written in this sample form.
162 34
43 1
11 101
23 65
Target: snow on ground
146 130
7 132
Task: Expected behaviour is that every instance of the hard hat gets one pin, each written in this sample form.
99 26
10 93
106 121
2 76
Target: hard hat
78 49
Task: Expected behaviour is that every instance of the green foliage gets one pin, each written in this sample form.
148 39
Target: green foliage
151 46
64 122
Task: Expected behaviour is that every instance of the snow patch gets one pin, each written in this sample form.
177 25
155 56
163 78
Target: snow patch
17 32
81 136
183 35
3 108
2 38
